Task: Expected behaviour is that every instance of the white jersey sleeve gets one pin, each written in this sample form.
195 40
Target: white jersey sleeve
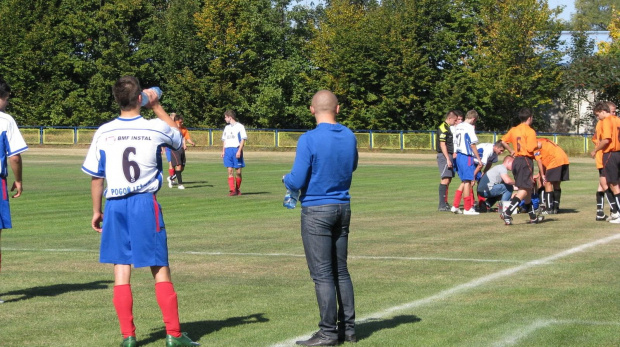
127 152
464 137
486 153
11 141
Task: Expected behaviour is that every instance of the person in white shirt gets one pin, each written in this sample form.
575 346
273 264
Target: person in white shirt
465 141
234 138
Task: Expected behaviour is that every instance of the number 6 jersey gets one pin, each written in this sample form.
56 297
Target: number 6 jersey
127 153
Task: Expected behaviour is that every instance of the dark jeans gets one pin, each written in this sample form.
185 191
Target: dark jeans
324 232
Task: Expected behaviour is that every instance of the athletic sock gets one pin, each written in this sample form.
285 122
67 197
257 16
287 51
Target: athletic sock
550 200
557 194
168 303
238 181
443 190
179 177
123 303
611 201
514 204
171 173
467 202
457 198
231 184
600 200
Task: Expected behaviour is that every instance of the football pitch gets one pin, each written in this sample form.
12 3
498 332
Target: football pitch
421 277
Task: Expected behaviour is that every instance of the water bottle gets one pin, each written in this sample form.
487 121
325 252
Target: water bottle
145 98
290 199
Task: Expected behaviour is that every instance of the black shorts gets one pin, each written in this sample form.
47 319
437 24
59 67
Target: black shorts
522 170
557 174
177 157
611 165
601 173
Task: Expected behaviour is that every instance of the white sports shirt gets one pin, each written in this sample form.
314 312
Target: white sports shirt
487 154
464 136
11 142
233 134
127 152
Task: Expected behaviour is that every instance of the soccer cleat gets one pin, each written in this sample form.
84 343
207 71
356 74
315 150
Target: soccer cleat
181 186
456 210
169 183
129 341
615 221
603 218
507 219
232 193
318 339
181 341
615 215
444 209
471 212
238 192
536 220
1 302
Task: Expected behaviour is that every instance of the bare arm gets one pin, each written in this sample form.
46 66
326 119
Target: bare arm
16 165
158 109
240 150
507 179
508 148
96 192
602 144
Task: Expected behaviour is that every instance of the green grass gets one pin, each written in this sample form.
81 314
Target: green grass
238 265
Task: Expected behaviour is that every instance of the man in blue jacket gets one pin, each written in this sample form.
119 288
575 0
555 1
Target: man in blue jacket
324 163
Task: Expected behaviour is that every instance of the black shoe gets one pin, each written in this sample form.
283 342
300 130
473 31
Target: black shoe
347 338
318 339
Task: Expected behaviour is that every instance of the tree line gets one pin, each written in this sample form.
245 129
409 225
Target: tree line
394 64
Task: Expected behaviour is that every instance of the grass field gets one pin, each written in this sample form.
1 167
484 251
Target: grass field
421 277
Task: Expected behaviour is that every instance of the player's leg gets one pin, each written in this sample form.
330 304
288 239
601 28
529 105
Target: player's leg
445 173
238 181
1 257
178 171
457 199
123 303
232 190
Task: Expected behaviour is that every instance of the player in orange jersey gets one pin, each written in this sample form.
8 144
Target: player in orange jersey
553 167
609 144
603 192
521 142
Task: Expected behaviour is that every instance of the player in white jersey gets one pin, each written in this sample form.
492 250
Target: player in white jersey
11 145
233 137
465 141
126 152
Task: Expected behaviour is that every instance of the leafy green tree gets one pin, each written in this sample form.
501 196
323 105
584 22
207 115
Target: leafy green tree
593 14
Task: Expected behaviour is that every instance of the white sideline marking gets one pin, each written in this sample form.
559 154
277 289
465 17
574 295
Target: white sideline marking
520 334
281 255
469 285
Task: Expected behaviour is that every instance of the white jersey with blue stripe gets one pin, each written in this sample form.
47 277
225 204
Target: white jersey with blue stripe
11 141
486 153
233 134
127 152
464 137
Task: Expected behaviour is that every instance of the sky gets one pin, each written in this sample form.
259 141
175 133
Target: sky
568 9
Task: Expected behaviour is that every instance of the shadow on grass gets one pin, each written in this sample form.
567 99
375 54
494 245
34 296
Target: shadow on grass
196 330
365 329
54 290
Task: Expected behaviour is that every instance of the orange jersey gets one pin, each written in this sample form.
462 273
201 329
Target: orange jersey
523 140
610 129
596 138
184 132
550 154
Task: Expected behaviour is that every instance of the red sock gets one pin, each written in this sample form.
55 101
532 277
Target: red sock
231 184
171 172
457 198
123 303
238 182
167 300
467 201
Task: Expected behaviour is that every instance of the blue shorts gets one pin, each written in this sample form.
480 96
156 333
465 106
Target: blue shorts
5 211
134 232
230 158
465 166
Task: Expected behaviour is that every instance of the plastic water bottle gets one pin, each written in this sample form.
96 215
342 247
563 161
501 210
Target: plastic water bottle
145 98
290 199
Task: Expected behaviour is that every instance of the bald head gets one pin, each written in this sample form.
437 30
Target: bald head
324 102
